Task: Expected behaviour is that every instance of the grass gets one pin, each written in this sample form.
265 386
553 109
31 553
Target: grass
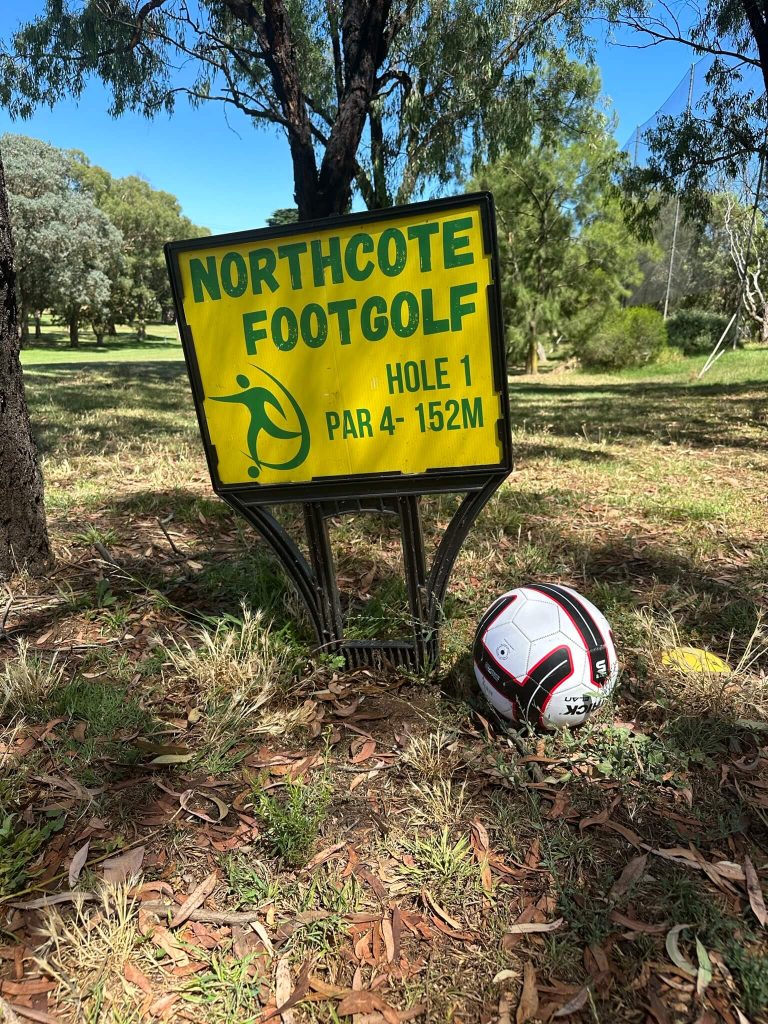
644 490
27 683
52 348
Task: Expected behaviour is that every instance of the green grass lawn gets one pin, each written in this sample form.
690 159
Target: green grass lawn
166 627
161 343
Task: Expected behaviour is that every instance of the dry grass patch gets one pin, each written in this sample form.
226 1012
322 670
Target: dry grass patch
28 681
86 949
237 670
741 694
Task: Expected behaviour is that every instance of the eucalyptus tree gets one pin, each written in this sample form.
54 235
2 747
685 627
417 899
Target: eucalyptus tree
382 95
725 130
23 534
146 218
68 250
567 256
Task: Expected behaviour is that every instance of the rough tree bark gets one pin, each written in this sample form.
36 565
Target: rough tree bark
325 190
23 534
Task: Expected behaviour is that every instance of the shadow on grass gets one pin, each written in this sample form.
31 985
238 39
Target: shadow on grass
89 401
701 415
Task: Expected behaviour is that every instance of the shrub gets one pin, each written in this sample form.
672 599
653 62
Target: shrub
695 331
293 822
628 337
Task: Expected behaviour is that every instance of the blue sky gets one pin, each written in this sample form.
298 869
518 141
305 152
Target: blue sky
228 175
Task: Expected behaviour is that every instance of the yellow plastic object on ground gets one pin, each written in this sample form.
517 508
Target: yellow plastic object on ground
693 659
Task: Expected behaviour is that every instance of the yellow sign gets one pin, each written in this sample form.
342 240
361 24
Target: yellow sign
368 346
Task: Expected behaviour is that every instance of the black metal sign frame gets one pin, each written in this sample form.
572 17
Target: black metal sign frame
394 493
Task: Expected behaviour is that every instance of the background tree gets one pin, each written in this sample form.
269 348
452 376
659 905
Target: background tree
69 250
726 128
146 218
421 84
23 533
283 215
736 268
566 254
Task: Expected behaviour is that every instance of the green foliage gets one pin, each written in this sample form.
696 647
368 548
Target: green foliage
751 968
629 337
283 215
68 252
566 255
293 819
726 128
108 710
19 845
695 331
250 881
88 246
450 87
147 218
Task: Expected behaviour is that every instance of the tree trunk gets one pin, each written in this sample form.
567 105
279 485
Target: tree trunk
23 534
532 359
38 327
141 331
24 328
358 56
764 326
74 331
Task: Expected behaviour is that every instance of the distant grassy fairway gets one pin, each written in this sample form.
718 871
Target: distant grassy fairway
162 343
377 828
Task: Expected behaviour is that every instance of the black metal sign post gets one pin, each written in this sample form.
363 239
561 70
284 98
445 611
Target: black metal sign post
352 365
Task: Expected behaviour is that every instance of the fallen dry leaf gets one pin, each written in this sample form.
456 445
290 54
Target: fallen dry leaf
631 874
529 997
78 863
263 934
505 1011
505 976
37 1015
284 989
366 1001
532 926
136 977
389 941
637 926
673 949
51 901
578 1002
189 795
159 1007
366 751
323 856
195 899
754 892
441 913
119 869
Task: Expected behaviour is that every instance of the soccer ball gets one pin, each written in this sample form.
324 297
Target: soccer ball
544 654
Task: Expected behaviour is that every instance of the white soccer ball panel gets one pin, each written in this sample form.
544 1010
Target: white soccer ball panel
571 704
509 648
537 619
506 708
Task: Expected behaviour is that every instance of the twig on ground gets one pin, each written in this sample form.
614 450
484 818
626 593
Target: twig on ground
6 613
106 554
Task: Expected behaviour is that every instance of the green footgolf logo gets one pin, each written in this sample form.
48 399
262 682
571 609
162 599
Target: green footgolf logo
259 401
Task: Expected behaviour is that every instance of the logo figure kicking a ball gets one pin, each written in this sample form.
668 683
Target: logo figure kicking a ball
259 401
